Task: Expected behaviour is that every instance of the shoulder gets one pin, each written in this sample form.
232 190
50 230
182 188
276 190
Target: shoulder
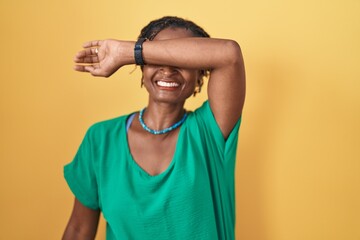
203 115
106 127
203 120
204 109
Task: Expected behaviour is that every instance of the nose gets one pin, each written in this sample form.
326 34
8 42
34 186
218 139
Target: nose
168 70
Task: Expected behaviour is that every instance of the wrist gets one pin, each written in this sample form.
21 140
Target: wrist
124 52
138 52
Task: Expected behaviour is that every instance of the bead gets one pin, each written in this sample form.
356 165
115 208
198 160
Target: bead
157 132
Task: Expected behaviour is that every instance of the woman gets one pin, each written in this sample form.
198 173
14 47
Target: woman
162 173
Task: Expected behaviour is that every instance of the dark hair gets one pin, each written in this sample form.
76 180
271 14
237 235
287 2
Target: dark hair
155 26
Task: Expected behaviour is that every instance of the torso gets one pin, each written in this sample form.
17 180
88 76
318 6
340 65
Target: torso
153 153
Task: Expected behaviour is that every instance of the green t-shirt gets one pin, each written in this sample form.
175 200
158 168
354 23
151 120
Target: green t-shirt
192 199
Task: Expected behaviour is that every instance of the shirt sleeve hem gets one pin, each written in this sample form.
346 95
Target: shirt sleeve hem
76 190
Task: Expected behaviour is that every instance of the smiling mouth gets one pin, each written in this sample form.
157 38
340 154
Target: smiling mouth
167 84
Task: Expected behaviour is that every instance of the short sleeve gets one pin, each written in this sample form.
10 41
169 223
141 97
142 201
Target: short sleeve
208 122
81 177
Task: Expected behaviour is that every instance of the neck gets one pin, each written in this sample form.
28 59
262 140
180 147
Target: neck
160 116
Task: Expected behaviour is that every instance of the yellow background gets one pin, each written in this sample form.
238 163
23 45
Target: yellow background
298 165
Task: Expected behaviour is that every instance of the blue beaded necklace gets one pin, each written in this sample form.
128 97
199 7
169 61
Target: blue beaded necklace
156 132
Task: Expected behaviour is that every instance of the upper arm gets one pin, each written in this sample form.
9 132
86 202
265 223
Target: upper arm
83 223
226 88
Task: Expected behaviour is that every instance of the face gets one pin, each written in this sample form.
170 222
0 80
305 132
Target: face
166 83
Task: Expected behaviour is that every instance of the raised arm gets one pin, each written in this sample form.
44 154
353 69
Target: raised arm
226 89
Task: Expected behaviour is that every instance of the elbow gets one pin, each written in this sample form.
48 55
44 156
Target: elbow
234 55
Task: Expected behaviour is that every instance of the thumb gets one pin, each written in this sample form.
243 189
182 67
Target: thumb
92 70
99 72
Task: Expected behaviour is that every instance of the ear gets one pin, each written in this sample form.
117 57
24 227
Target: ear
199 82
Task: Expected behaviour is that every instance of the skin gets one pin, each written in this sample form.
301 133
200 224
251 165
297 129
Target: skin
83 223
176 57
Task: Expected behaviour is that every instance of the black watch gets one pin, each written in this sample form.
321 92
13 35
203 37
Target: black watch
138 52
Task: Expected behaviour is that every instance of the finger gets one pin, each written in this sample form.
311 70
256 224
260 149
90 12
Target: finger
80 68
86 68
86 56
94 43
86 52
90 59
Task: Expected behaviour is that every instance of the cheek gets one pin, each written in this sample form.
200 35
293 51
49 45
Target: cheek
193 78
146 70
147 73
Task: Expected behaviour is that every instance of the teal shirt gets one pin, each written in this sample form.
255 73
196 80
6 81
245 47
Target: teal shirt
194 198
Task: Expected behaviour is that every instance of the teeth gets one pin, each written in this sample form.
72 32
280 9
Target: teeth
167 84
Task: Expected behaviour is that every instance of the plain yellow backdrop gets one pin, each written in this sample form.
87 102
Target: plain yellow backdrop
298 164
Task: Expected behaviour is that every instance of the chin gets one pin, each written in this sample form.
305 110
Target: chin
168 99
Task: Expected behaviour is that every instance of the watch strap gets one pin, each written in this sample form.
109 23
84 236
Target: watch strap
138 52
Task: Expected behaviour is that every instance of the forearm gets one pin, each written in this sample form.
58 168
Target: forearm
196 53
